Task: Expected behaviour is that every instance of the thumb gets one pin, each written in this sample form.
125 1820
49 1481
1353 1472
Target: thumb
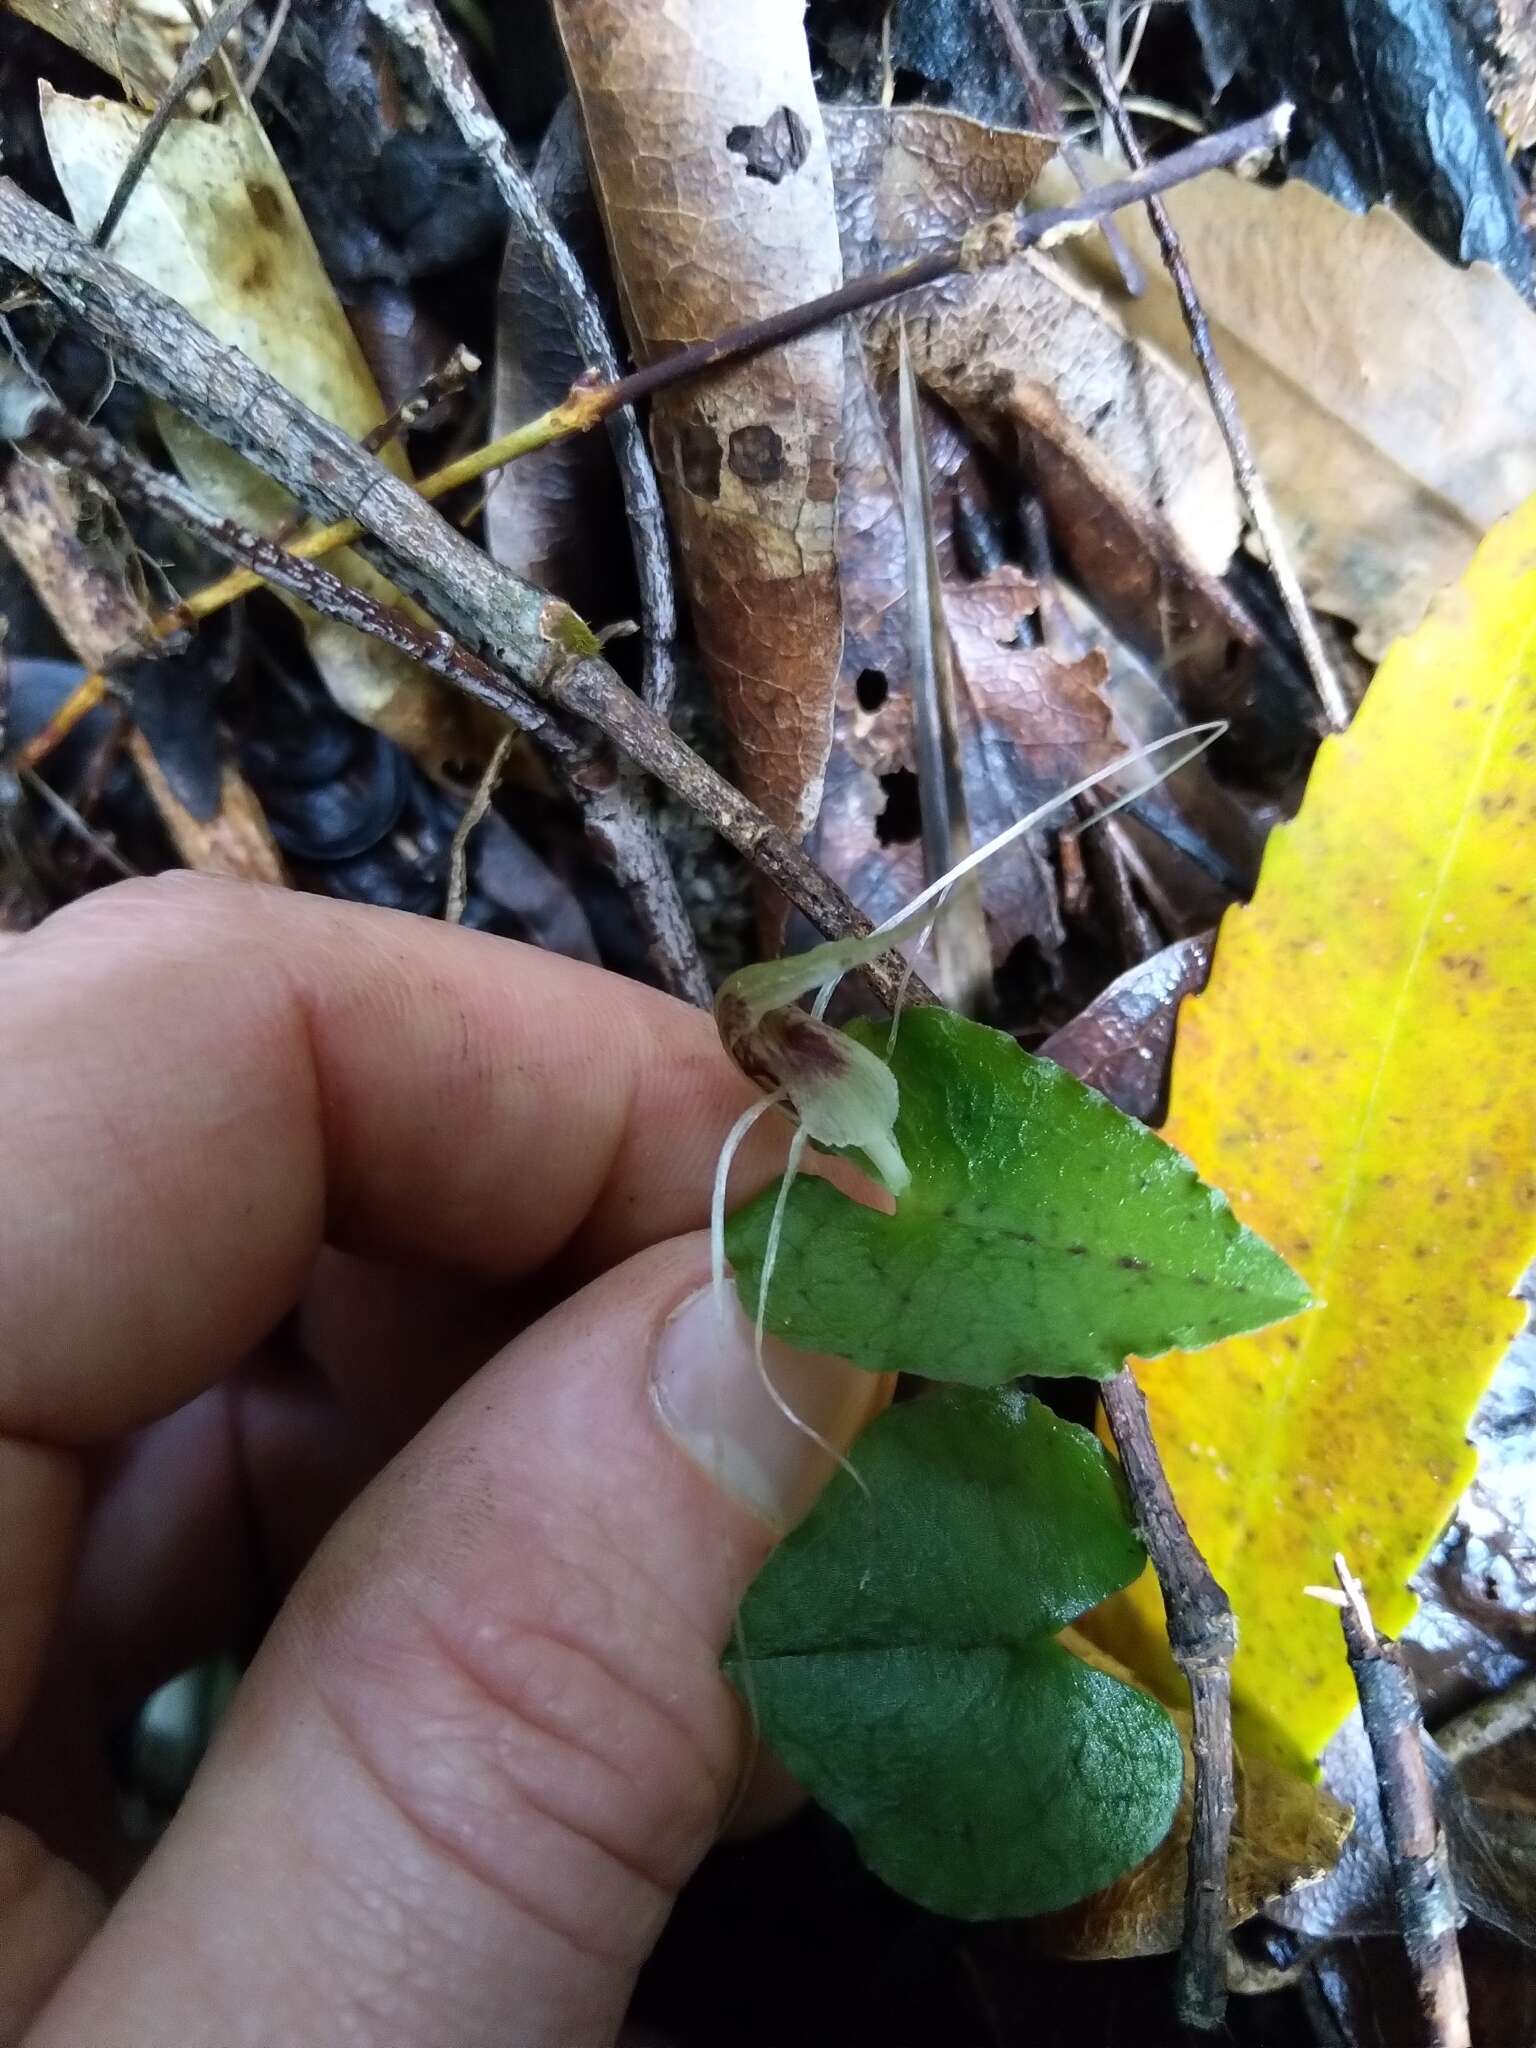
488 1738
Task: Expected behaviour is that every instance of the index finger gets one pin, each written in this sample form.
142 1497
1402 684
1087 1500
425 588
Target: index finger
204 1081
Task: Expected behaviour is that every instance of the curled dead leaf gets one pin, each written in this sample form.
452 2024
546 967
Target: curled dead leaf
711 170
913 179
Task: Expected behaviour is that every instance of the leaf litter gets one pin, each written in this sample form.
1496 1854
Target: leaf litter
1387 391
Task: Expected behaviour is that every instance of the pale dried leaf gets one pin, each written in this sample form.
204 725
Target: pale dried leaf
1513 104
1390 395
712 173
214 224
137 42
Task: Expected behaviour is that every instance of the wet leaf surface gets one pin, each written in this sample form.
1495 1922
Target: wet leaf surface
899 1652
1390 107
1122 1042
1043 1232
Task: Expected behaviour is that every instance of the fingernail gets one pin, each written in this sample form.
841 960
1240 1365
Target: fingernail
713 1402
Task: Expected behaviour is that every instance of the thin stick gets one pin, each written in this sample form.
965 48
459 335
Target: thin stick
1492 1721
586 687
1045 112
1421 1872
264 55
68 816
1218 387
1202 1636
418 27
479 804
39 245
963 956
197 56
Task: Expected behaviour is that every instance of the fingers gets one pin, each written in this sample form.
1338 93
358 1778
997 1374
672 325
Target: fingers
205 1080
48 1912
40 1490
488 1738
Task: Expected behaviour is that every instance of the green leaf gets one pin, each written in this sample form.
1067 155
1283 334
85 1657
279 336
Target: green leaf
1043 1231
897 1650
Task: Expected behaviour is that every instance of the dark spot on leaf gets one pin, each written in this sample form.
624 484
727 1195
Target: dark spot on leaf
871 688
266 205
1077 1251
773 150
257 275
1131 1265
756 455
698 458
901 816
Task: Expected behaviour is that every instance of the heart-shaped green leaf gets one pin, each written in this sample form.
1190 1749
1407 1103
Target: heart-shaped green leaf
898 1652
1043 1231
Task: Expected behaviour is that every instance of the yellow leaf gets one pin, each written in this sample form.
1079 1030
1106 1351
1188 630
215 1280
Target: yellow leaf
1360 1078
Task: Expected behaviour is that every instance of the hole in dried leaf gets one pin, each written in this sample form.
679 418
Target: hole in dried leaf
871 688
901 816
756 455
774 149
698 458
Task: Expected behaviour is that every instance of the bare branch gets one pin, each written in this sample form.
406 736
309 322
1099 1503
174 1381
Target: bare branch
1421 1871
1202 1636
199 53
418 27
1045 112
579 684
1218 386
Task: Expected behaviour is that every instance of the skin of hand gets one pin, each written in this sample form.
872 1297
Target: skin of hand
350 1253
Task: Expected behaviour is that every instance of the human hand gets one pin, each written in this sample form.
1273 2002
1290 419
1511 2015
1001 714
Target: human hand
278 1178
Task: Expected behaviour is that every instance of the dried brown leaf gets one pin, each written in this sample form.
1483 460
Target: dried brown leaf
69 539
1390 395
1287 1833
1121 1043
1029 722
711 169
911 180
557 519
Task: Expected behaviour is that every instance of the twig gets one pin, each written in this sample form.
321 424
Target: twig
35 242
962 954
1484 1726
1218 387
992 242
1421 1872
580 684
199 53
451 375
1202 1636
1045 112
418 27
263 58
613 802
479 804
68 816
